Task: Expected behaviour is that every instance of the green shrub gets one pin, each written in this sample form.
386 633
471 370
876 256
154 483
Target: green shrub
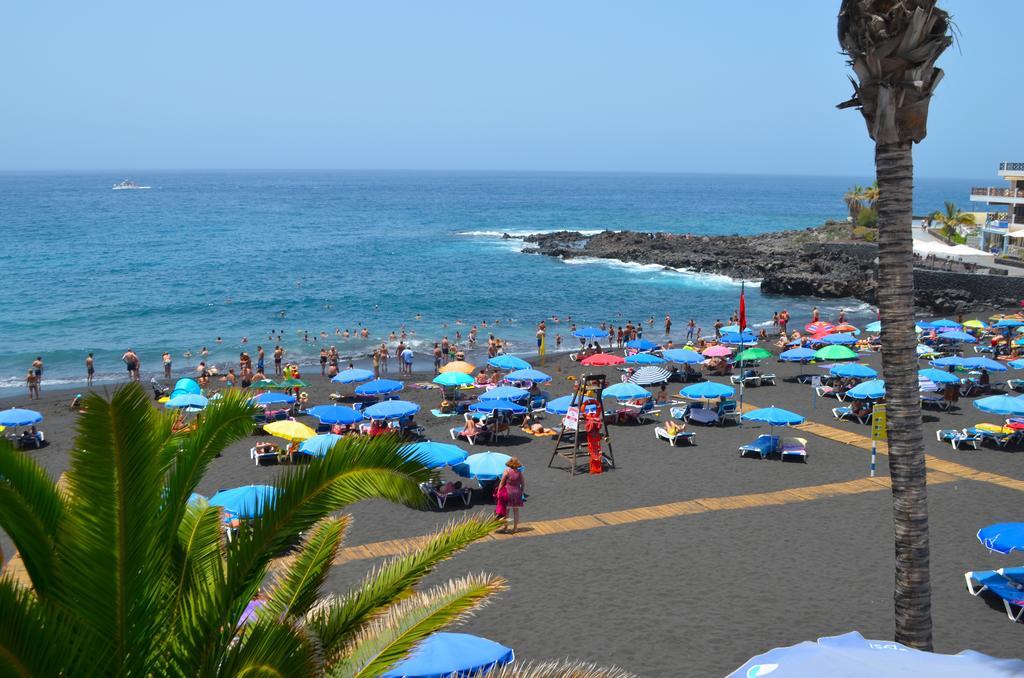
866 234
868 218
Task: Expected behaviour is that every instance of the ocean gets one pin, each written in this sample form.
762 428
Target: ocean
232 255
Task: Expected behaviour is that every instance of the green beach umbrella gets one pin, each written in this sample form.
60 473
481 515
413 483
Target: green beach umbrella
835 352
264 383
754 354
292 383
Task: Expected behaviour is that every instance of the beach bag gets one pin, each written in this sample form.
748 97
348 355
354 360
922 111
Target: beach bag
501 496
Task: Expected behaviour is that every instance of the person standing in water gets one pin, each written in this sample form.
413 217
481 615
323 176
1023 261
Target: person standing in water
90 369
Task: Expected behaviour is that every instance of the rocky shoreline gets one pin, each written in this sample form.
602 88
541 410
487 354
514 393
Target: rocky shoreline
820 262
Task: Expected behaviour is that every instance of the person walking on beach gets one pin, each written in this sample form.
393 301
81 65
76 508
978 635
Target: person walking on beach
90 370
513 486
33 385
37 368
437 358
407 360
691 327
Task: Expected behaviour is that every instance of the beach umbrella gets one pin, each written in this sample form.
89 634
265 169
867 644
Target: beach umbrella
641 344
335 414
774 416
873 389
874 327
379 387
717 352
853 370
452 654
602 360
483 466
352 376
188 401
983 363
434 455
292 431
458 366
1009 322
263 383
1002 537
753 354
498 406
851 655
559 405
1001 404
391 409
292 383
319 445
846 328
651 374
946 324
1016 364
508 362
950 361
706 390
505 393
644 359
821 326
186 385
728 329
589 333
923 350
838 339
683 356
739 338
797 355
921 325
247 502
835 353
958 336
15 417
626 391
975 324
453 379
251 612
267 399
938 376
528 374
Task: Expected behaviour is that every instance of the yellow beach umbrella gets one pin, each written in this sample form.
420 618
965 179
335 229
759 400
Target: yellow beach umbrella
292 431
977 324
459 366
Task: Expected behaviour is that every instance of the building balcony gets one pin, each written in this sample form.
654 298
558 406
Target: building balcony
1011 169
998 196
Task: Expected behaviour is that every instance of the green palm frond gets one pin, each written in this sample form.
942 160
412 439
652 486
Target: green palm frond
198 556
566 668
336 621
298 587
387 640
268 648
31 510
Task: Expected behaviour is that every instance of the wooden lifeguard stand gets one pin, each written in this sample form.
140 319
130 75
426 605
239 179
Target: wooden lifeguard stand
571 442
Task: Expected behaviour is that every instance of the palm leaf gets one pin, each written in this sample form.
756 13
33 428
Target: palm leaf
268 648
31 509
198 557
335 622
299 586
387 640
566 668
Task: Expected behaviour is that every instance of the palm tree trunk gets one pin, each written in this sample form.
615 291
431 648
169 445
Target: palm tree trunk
895 168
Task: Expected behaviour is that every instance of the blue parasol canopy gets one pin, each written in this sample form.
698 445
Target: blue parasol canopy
1009 322
335 414
775 416
505 393
590 333
943 324
391 409
958 336
983 363
868 390
683 356
1001 404
379 387
851 655
186 385
626 391
796 355
508 362
528 374
938 376
853 370
248 501
705 390
265 399
641 344
453 379
558 405
874 327
483 466
435 455
841 338
452 654
1002 537
352 376
644 359
950 361
738 338
15 417
319 445
498 406
187 401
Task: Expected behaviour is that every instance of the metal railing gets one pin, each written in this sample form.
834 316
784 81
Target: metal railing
997 192
1011 167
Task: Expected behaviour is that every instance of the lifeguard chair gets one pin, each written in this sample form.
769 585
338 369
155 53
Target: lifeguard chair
583 439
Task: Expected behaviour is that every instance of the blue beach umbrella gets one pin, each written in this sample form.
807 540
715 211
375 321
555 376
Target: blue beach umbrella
452 654
839 338
950 361
188 401
266 399
1016 364
874 327
731 329
738 338
335 414
706 390
683 356
774 416
938 376
851 655
505 393
923 325
319 445
482 466
626 391
590 333
453 379
352 376
641 344
923 350
528 374
508 362
1002 537
644 359
559 406
958 336
1001 404
391 409
944 324
853 370
797 355
868 390
983 363
186 385
15 417
248 501
1009 322
498 406
435 455
379 387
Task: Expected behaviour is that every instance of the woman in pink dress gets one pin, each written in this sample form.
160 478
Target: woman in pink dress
514 486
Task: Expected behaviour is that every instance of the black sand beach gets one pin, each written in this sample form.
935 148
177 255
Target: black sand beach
700 591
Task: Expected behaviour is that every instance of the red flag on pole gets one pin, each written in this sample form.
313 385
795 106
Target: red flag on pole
743 308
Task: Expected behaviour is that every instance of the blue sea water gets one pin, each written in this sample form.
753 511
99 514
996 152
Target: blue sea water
202 255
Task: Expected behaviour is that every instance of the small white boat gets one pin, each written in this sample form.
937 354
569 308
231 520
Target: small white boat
126 184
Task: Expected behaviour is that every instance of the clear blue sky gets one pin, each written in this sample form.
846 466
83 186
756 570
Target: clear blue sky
674 85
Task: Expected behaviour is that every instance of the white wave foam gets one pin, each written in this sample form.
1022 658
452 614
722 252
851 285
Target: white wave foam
708 279
520 233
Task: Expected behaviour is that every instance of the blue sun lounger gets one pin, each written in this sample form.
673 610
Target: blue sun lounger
1006 589
764 446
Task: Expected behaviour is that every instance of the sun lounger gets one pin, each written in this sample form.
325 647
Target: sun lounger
264 454
935 400
825 391
847 412
794 449
1015 384
996 434
764 446
441 498
685 436
746 379
678 412
702 415
767 380
957 438
1007 590
728 411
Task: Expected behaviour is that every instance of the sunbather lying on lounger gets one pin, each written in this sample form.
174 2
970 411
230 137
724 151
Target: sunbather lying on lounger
532 425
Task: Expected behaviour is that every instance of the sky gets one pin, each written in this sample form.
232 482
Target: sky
745 86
